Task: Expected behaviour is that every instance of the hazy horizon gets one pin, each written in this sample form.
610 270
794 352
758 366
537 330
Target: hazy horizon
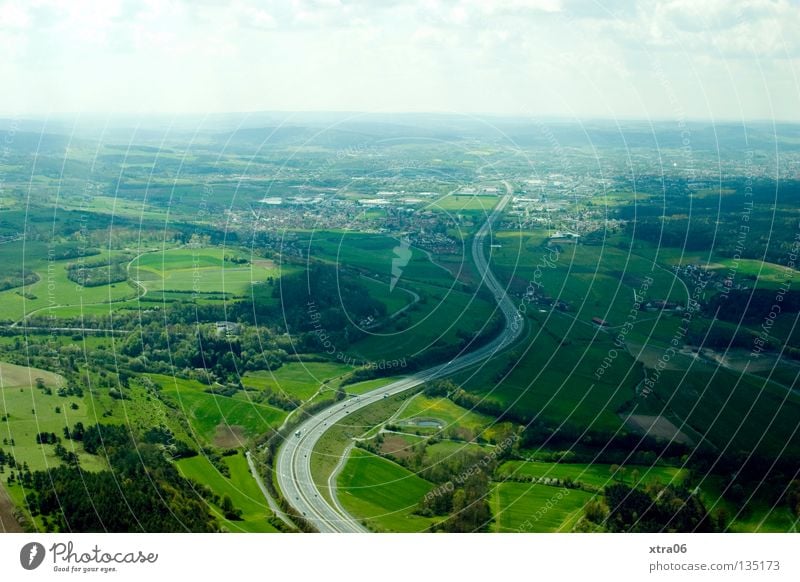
355 114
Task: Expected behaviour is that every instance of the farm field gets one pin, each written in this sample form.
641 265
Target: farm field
121 207
201 270
595 475
524 507
382 493
446 449
529 379
594 281
399 445
769 275
222 420
736 412
298 379
463 202
95 309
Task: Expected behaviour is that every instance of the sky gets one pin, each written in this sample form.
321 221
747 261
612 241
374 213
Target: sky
658 59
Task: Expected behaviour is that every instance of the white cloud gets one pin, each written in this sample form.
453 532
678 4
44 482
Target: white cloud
717 28
522 5
433 35
546 55
13 15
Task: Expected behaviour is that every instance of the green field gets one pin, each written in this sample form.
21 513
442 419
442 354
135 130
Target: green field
454 419
462 202
768 274
594 281
595 475
81 311
298 379
372 253
201 270
533 380
241 487
394 300
212 416
29 411
449 448
524 507
729 408
382 493
736 412
439 321
119 207
367 385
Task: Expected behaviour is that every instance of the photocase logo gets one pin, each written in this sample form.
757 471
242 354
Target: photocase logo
31 555
402 256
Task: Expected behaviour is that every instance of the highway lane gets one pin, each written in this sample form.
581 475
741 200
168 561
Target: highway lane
293 463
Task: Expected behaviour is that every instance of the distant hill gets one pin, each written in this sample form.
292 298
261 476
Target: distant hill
342 130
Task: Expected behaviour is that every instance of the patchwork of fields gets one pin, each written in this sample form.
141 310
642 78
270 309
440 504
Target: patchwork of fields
552 376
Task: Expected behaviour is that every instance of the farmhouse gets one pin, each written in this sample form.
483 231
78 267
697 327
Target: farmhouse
227 328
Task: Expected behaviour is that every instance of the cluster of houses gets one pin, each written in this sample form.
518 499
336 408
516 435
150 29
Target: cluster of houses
661 305
693 274
435 242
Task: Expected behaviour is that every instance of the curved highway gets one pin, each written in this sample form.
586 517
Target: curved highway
293 463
